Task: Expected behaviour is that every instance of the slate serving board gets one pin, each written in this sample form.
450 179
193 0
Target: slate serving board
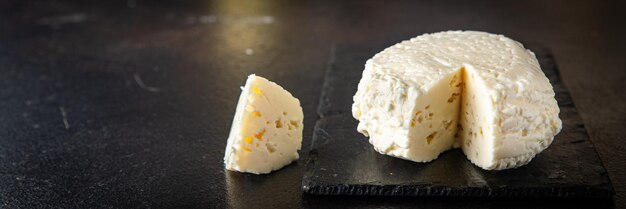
342 162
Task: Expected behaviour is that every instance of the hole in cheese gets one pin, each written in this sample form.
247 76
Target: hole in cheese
247 149
248 139
257 91
453 81
294 123
259 135
453 97
270 148
430 137
447 124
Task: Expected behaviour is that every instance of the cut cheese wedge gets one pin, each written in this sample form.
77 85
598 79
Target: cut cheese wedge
266 133
482 92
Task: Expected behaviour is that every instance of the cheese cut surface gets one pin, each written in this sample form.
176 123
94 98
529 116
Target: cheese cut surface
266 133
482 92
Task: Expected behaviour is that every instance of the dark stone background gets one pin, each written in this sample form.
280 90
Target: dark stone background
127 104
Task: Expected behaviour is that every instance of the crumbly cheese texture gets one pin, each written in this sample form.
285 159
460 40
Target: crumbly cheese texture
482 92
266 133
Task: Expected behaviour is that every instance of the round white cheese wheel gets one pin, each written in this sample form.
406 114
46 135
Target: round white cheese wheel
482 92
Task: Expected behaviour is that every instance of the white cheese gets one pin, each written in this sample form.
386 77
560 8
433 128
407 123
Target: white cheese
266 133
483 92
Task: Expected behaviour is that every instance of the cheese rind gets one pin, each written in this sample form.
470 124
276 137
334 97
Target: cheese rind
266 133
505 113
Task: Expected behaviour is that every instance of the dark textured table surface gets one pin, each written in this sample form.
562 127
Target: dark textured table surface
115 104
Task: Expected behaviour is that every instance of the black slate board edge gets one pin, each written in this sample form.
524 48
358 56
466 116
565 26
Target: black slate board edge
547 53
321 137
325 112
435 191
326 84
